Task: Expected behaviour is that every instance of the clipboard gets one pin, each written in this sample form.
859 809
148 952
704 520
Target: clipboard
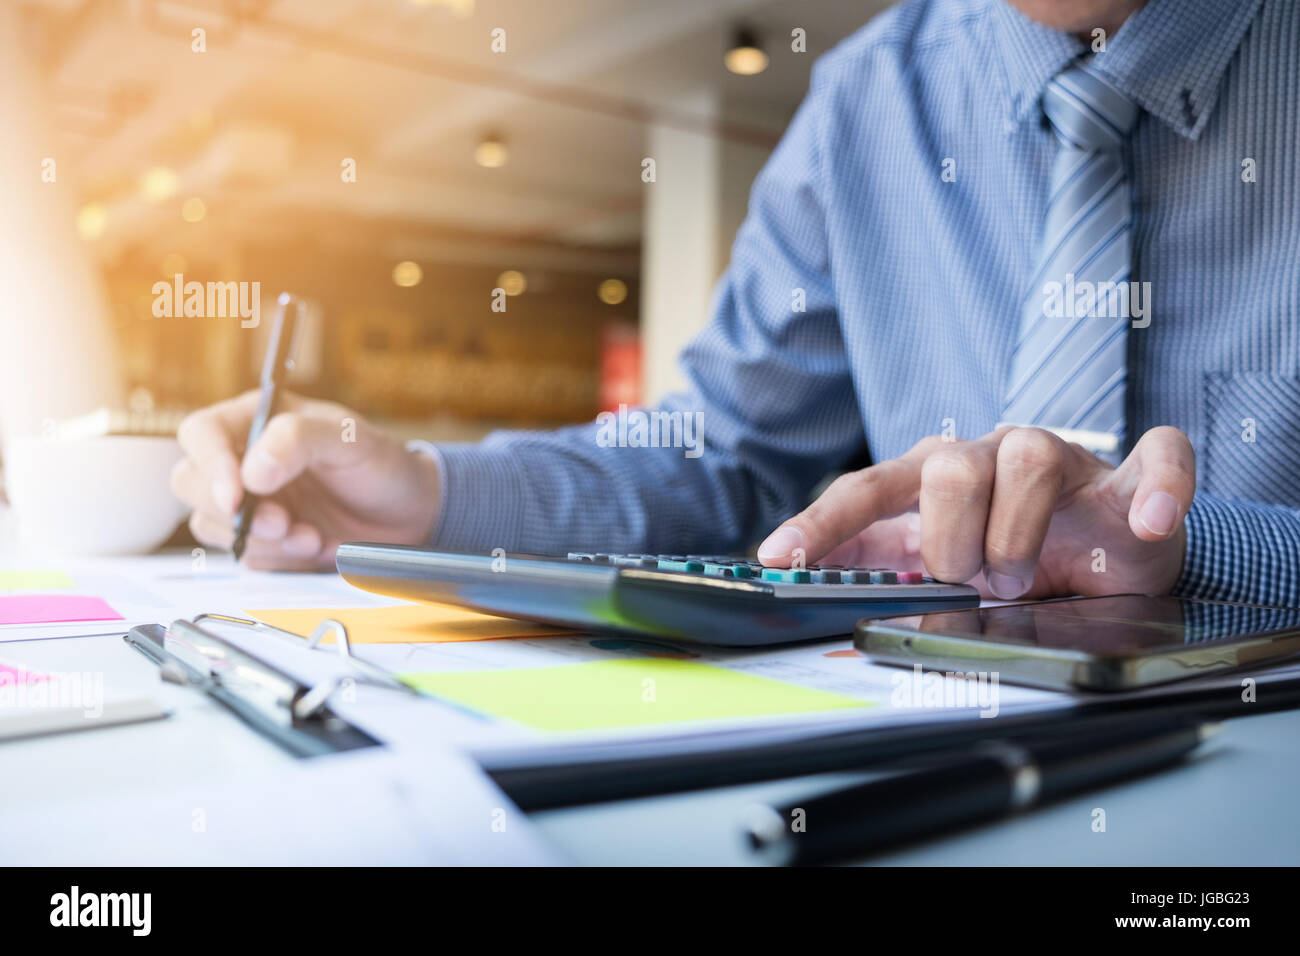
294 715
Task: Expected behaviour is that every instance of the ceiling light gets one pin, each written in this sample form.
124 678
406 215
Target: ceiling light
91 221
612 291
158 184
512 282
746 57
491 153
460 9
193 209
407 274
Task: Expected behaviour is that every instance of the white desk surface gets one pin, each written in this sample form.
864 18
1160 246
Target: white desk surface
1233 804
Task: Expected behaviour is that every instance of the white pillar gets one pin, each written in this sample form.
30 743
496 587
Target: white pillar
692 212
57 355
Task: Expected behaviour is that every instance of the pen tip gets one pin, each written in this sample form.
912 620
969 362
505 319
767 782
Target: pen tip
1210 729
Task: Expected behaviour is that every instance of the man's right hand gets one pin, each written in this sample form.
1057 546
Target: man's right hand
324 475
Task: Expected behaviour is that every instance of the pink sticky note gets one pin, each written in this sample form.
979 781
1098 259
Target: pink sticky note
20 675
54 608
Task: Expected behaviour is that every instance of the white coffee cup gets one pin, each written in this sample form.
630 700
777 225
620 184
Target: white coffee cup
92 496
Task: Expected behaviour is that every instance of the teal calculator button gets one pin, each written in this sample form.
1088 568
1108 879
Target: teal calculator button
725 569
787 575
691 567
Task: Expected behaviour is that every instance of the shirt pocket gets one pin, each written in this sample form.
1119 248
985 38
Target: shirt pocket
1252 444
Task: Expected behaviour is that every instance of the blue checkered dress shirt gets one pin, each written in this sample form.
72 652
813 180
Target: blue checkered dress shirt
913 285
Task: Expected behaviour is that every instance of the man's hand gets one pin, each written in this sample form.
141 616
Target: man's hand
1019 512
322 481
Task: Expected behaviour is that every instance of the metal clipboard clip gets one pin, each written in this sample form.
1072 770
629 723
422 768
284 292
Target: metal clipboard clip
293 714
367 673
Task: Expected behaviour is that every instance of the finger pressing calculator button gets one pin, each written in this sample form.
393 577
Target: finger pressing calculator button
787 575
911 577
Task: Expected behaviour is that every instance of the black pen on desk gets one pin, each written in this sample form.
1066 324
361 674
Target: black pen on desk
980 783
274 369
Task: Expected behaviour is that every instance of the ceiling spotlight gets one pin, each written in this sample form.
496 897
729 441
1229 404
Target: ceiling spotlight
612 291
193 209
460 9
407 274
174 263
512 282
746 57
491 152
92 218
158 183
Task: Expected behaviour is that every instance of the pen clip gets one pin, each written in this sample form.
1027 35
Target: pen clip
279 348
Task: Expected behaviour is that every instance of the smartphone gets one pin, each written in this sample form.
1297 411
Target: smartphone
1119 642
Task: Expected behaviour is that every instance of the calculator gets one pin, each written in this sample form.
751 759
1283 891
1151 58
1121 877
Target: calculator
709 599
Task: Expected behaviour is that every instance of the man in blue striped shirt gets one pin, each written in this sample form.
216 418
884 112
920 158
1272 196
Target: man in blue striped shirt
1039 258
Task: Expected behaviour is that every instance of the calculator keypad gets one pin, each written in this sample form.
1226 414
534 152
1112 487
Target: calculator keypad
724 566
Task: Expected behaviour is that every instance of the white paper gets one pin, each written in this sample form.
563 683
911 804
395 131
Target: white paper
374 807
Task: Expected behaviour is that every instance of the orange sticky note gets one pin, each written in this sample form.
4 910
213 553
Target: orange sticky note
406 624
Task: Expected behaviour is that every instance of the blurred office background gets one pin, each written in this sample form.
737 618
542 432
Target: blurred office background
475 170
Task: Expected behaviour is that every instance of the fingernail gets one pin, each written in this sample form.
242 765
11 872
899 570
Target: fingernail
224 494
269 528
1006 587
1159 514
300 545
263 466
780 543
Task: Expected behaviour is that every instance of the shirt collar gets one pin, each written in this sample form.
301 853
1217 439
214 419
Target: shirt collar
1169 57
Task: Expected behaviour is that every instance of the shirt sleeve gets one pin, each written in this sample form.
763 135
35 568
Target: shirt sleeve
1241 551
770 396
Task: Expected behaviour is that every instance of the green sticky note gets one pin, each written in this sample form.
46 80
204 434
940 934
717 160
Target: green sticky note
34 580
624 693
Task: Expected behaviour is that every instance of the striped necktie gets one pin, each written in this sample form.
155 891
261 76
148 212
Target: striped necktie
1070 363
